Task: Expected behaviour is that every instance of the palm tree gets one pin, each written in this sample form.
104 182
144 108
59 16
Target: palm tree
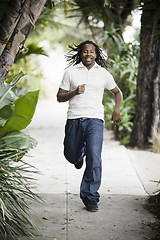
147 117
109 12
17 19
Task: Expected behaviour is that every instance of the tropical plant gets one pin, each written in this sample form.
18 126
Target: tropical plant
27 61
16 113
30 48
123 65
124 129
17 20
102 13
123 61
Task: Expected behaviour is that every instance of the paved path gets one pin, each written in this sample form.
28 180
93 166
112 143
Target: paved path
125 185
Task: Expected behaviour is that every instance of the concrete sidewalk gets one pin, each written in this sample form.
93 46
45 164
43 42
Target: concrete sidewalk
126 183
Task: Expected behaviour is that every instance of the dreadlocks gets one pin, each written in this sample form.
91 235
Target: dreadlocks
74 59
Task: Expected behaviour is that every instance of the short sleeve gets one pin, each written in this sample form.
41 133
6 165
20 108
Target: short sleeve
110 83
65 84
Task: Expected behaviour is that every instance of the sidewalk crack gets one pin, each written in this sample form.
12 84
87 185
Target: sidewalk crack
130 158
67 199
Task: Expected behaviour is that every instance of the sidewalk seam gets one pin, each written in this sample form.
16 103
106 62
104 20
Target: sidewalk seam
67 215
130 158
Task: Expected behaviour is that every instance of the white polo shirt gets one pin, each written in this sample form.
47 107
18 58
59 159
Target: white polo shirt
88 104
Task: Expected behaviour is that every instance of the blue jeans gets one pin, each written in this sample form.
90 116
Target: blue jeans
84 137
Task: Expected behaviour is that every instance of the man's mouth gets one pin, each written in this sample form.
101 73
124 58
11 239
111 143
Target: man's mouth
88 59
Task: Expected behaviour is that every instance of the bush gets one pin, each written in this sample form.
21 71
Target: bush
123 61
15 115
124 129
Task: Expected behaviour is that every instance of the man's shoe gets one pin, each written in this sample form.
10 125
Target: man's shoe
79 164
92 206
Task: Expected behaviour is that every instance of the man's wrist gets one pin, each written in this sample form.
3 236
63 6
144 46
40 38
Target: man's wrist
117 109
74 92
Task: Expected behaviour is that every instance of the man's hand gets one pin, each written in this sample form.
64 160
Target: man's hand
116 117
80 89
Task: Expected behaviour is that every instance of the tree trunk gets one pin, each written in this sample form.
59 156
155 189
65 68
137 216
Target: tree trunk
9 22
147 117
16 24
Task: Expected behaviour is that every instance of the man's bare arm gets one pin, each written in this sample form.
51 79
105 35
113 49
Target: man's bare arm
64 96
116 117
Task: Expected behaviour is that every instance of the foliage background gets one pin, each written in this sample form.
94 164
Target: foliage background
68 22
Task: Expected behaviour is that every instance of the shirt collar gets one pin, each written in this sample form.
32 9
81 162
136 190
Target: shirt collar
81 65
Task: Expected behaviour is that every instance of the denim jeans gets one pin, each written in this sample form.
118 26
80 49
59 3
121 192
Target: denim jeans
84 137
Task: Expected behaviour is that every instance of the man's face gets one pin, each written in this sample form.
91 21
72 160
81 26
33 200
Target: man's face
88 55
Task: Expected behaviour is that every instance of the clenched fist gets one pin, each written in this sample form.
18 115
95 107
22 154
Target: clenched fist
80 89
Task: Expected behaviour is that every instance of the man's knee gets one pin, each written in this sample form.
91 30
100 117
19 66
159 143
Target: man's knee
70 156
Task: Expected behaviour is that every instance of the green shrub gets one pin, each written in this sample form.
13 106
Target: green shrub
15 115
124 129
123 65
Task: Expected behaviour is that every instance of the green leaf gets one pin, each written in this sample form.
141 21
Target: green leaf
18 140
6 95
16 78
5 113
24 110
31 48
